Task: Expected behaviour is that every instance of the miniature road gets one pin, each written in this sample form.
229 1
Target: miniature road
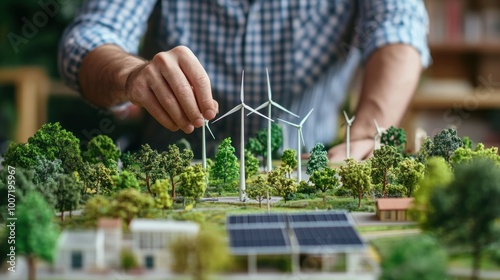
236 200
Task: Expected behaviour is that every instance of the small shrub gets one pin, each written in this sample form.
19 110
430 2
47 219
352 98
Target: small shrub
128 260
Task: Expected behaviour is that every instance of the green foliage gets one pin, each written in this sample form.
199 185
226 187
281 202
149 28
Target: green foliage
305 188
162 199
410 172
282 185
226 167
128 260
96 207
465 211
102 149
356 177
192 183
174 163
416 258
36 232
445 143
98 179
324 180
251 165
67 193
395 137
21 155
258 189
127 160
289 158
466 154
425 150
46 170
437 174
318 159
255 147
129 204
467 142
258 145
384 159
125 180
147 162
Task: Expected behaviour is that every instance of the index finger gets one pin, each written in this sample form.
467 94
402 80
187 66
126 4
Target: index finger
199 80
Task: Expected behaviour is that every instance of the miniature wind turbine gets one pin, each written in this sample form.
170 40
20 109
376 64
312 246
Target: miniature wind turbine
377 136
204 144
241 108
348 134
299 137
269 103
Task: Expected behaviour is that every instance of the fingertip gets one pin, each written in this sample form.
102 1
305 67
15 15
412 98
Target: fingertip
209 114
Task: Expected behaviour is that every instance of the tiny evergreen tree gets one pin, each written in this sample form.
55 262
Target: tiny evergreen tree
395 137
226 167
318 159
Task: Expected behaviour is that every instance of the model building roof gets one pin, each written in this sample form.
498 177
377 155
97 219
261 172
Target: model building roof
109 223
150 225
394 203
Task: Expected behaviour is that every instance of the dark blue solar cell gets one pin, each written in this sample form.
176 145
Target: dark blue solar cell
257 238
327 236
318 217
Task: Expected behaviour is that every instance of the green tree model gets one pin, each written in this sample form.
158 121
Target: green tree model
129 204
324 180
437 174
67 193
192 182
318 159
466 211
36 233
384 159
282 185
175 162
356 176
258 189
148 163
96 207
125 180
425 150
162 199
22 155
226 167
255 147
102 149
98 179
445 143
46 170
414 258
466 154
289 158
258 145
251 165
410 172
467 142
395 137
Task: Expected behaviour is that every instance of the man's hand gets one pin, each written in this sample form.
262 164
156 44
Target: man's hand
173 87
360 150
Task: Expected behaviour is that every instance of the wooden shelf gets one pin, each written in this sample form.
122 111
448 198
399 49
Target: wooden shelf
484 48
481 100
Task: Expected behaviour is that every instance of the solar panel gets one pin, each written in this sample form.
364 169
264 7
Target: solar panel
327 236
319 217
272 240
256 219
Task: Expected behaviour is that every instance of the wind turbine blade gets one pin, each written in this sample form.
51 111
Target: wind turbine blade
269 94
265 104
283 109
253 111
208 128
377 127
302 137
242 94
235 109
305 118
289 123
346 117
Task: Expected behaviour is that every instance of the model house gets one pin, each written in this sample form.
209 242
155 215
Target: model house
393 209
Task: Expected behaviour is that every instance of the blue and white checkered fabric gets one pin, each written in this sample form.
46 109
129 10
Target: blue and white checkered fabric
310 47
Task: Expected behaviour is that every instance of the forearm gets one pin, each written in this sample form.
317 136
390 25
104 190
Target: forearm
103 75
391 76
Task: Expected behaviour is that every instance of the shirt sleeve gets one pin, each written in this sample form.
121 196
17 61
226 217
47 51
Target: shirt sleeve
384 22
101 22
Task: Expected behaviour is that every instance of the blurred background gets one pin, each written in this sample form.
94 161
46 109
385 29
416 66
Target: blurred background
460 89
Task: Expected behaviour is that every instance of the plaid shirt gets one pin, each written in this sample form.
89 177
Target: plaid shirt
311 48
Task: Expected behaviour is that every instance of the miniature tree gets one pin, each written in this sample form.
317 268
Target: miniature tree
410 172
98 179
356 176
175 162
22 155
467 143
101 148
395 137
46 170
258 189
162 199
384 159
129 204
445 143
125 180
127 160
96 207
192 182
24 185
437 174
318 159
255 147
466 154
414 258
251 165
289 158
425 150
226 167
466 211
282 185
258 145
324 180
36 233
67 193
148 163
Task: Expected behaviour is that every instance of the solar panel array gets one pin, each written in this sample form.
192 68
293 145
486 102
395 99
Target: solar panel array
279 233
